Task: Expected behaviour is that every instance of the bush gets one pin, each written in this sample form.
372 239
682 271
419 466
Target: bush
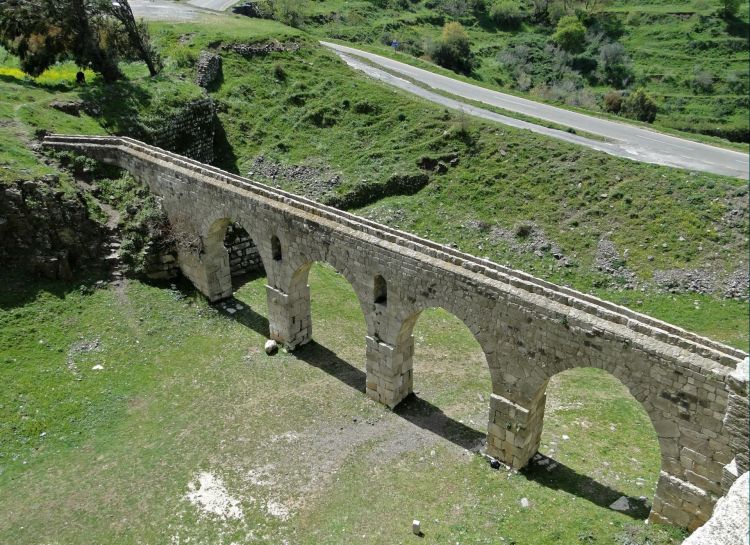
613 102
507 13
702 82
453 50
555 12
639 105
570 34
289 12
729 8
278 72
614 65
456 8
737 82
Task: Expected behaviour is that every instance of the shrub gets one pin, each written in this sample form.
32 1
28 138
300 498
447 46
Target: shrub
523 81
453 50
507 13
456 8
555 12
614 65
737 82
289 12
639 105
702 82
278 72
613 102
729 8
570 34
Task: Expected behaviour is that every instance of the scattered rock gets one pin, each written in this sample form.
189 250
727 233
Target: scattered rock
525 503
97 367
529 238
256 50
310 181
610 262
621 504
70 107
271 347
684 280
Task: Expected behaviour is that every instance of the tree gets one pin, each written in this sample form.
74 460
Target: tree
91 32
614 64
570 34
453 50
639 105
137 34
729 8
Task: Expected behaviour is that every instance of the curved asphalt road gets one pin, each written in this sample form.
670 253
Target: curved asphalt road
624 140
170 10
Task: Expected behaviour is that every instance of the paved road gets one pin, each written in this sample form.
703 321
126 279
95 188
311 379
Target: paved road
164 10
216 5
623 140
169 10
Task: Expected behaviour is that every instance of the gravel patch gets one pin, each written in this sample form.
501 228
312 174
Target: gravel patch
313 182
525 238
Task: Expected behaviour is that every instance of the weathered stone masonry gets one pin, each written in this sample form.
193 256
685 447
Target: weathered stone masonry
692 388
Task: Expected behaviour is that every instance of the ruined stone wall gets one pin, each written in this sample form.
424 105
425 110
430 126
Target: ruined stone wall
46 231
529 329
190 131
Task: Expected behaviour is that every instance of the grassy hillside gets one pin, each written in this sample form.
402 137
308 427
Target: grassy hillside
689 59
535 203
301 119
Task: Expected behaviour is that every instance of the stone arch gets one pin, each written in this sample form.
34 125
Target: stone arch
289 294
416 364
390 346
634 396
485 340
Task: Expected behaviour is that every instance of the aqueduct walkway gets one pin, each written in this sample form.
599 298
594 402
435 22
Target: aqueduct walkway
693 389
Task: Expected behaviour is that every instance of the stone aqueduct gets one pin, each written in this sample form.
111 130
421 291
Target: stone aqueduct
693 389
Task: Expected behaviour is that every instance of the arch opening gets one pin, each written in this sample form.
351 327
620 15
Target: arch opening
380 291
597 442
337 346
275 248
245 263
451 378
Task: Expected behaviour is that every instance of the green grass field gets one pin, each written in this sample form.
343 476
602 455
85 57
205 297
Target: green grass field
107 456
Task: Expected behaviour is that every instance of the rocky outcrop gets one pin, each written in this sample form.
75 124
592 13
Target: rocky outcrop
47 231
